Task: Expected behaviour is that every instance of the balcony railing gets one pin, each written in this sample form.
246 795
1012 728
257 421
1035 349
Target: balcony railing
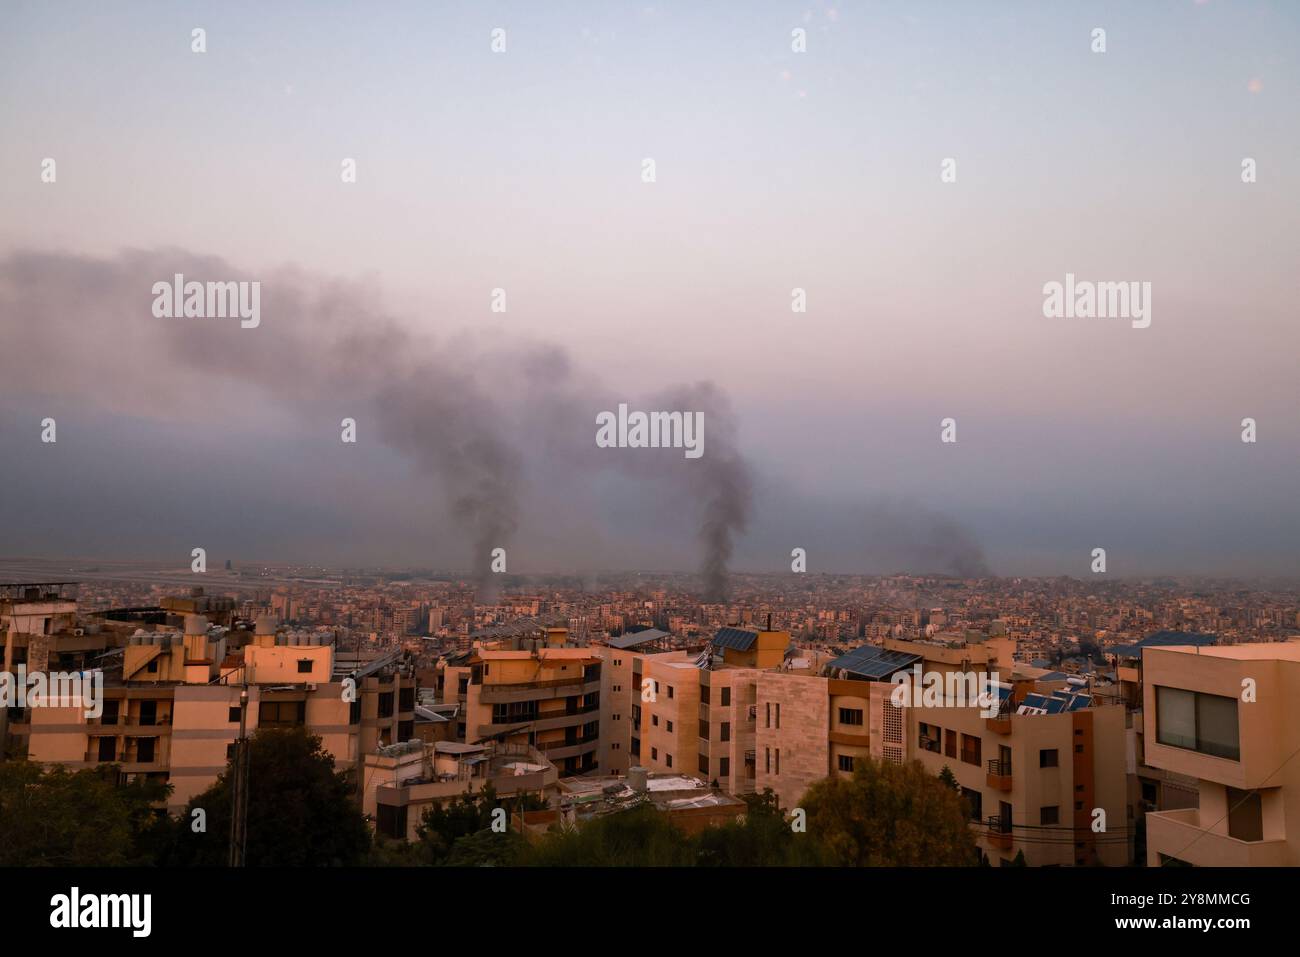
999 776
999 833
933 745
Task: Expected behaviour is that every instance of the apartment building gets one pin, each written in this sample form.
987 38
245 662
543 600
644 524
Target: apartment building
542 694
1041 763
403 781
172 711
696 712
1225 716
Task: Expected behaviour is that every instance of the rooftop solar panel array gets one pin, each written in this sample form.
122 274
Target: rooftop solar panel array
870 661
634 638
1058 702
736 638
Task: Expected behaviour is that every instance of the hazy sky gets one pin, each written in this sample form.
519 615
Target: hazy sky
775 169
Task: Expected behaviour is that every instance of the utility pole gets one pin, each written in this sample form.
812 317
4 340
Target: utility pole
239 788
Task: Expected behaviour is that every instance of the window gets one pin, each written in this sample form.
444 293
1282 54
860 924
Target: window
767 760
1049 815
704 694
670 727
233 715
670 691
975 802
767 721
669 759
704 729
1199 722
778 714
724 767
654 754
1048 758
654 720
386 705
851 716
704 765
110 712
726 699
777 764
1078 749
950 744
725 731
107 749
304 666
971 748
281 714
144 748
846 762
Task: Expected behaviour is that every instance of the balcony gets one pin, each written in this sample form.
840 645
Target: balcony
999 776
999 725
933 745
999 833
1179 834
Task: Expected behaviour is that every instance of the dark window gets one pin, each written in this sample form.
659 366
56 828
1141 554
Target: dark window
281 714
704 694
233 715
304 666
725 731
1048 758
971 748
110 712
950 743
846 762
724 767
704 765
669 759
654 754
670 691
670 727
107 749
144 748
851 716
974 802
1199 722
1049 815
726 697
704 729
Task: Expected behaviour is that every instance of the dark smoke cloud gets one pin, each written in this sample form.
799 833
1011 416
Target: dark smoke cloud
473 417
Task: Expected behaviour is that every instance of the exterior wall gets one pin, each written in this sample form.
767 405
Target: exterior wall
676 703
792 744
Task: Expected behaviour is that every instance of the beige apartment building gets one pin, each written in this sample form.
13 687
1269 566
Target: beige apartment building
544 694
1225 716
171 708
405 780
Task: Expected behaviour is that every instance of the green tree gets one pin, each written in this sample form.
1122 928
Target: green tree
948 778
763 839
890 815
641 836
301 812
60 818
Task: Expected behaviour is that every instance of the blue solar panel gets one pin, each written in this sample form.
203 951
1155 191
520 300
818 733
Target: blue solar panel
870 661
735 638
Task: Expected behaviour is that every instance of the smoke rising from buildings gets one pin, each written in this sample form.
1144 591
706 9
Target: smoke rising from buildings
459 413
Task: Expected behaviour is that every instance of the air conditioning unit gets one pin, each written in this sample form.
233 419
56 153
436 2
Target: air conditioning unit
78 632
311 686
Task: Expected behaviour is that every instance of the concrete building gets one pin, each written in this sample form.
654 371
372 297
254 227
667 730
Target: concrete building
1227 718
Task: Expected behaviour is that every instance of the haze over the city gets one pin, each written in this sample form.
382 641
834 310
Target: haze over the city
522 171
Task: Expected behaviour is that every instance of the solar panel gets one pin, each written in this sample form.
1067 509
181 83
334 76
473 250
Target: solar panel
871 661
735 638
